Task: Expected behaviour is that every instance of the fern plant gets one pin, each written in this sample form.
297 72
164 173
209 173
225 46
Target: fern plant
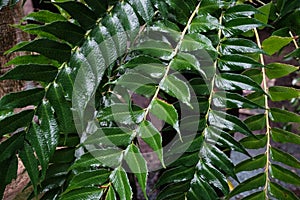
80 132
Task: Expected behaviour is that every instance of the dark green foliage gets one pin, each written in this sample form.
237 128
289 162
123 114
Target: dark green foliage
82 137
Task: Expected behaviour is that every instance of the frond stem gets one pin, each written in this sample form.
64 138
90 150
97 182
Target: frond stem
268 127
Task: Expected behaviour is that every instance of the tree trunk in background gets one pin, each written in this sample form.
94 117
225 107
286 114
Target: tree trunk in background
10 36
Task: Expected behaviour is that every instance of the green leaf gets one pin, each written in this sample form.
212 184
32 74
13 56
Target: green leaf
83 193
175 175
274 43
232 100
283 136
113 136
31 164
281 156
31 72
222 138
278 115
155 48
217 158
121 183
63 30
177 88
144 8
241 10
63 155
151 136
186 62
236 62
200 188
49 48
62 108
44 16
280 93
254 74
196 41
99 7
239 46
137 165
10 146
256 122
229 81
8 172
16 121
122 113
111 195
32 59
88 179
265 12
223 120
166 112
240 25
22 99
86 18
250 184
278 70
254 143
213 176
203 23
256 196
174 190
138 83
100 157
251 164
283 174
280 192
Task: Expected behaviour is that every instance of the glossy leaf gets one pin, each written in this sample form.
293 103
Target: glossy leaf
49 48
239 45
86 18
32 59
194 42
254 143
281 156
63 30
10 146
174 190
223 120
111 195
44 16
175 175
8 172
110 137
155 49
83 193
280 93
236 62
280 192
137 165
30 162
177 88
203 23
62 108
200 188
22 99
278 115
278 70
16 121
240 25
232 100
31 72
88 179
283 136
229 81
213 176
256 196
251 164
274 43
283 174
121 183
144 8
151 136
251 183
256 122
166 112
